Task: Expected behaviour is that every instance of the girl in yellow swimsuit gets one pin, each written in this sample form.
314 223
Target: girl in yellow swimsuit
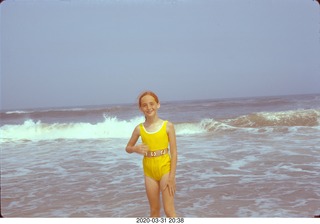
160 155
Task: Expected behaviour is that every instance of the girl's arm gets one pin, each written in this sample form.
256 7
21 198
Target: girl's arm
174 156
132 147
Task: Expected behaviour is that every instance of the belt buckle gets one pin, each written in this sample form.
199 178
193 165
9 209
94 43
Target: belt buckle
162 152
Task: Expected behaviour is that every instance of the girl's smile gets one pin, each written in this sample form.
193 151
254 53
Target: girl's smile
149 106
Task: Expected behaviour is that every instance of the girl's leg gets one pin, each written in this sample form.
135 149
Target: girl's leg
153 194
168 200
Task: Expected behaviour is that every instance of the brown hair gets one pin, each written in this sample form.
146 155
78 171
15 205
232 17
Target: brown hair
150 93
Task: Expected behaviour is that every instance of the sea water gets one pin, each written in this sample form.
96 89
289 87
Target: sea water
244 157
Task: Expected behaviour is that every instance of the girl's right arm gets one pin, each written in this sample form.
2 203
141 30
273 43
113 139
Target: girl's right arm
132 147
133 140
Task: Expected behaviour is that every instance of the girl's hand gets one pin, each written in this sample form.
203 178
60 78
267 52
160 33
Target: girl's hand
141 149
171 185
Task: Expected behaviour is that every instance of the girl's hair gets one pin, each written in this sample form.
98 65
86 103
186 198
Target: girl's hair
150 93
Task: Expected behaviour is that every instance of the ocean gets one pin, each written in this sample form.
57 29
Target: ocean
242 157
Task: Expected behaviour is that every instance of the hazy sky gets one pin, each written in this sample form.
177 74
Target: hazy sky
57 53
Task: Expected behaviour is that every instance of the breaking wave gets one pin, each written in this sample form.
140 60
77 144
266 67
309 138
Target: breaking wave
284 118
112 127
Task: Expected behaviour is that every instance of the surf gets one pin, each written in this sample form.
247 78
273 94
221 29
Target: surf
282 118
112 127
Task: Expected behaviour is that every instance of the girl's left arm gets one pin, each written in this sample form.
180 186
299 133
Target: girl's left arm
173 150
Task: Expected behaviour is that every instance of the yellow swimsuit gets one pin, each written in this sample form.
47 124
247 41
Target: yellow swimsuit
156 167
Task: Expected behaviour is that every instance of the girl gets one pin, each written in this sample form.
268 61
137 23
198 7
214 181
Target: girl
159 167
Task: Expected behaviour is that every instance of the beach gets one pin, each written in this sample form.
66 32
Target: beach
241 157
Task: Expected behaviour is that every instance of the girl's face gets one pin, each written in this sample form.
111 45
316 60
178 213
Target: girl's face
149 106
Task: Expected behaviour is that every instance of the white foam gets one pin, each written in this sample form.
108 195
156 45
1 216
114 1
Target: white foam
17 112
189 129
111 127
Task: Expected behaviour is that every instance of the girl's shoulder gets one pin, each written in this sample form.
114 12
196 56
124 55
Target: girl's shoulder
170 125
137 129
168 122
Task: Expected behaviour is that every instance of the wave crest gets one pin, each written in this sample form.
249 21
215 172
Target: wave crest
112 127
284 118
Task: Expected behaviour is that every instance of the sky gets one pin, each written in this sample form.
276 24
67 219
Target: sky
67 53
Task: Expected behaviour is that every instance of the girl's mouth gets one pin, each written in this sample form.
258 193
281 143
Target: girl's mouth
149 111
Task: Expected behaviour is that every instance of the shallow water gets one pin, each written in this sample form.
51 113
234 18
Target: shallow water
225 177
223 170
